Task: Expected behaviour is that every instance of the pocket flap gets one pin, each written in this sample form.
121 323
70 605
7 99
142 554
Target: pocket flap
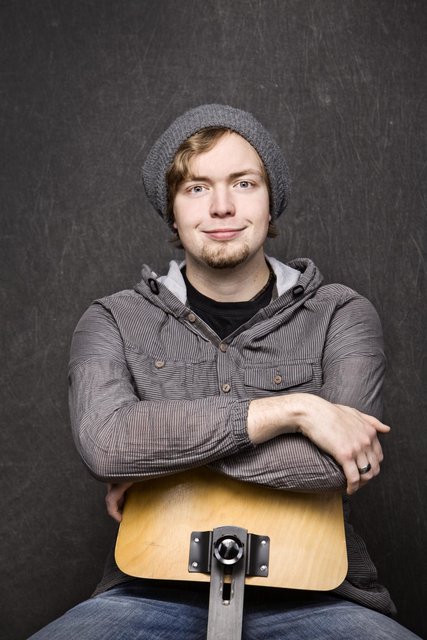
280 377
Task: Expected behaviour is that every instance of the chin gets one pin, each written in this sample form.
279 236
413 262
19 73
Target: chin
224 257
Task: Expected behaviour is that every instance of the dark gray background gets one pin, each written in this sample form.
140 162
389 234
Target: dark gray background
86 88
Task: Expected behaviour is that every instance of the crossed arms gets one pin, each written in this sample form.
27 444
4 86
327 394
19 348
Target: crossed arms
295 441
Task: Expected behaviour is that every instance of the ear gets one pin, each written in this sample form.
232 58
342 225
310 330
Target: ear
174 226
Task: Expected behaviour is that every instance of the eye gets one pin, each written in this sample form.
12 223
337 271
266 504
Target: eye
244 184
196 189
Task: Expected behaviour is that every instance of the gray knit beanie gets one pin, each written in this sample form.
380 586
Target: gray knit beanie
215 115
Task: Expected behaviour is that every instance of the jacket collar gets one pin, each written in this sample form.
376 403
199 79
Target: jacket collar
286 278
296 280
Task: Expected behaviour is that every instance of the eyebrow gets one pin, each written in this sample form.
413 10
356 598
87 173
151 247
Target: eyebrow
231 176
246 172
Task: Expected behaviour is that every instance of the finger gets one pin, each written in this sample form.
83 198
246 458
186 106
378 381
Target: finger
352 475
378 451
375 456
114 502
377 424
375 466
114 512
364 465
115 499
113 506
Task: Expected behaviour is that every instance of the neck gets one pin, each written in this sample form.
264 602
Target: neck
237 284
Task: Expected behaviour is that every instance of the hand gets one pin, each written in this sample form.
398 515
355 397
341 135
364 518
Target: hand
115 499
348 435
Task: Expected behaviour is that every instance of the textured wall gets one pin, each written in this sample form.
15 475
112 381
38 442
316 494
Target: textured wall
86 87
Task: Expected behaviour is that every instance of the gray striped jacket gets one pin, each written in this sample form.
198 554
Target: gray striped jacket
153 390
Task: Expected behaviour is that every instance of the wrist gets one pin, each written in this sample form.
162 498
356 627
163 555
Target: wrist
274 416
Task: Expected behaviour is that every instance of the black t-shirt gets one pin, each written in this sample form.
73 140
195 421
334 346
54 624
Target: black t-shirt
225 317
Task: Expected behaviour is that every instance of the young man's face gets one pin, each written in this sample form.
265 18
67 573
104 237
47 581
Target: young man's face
222 211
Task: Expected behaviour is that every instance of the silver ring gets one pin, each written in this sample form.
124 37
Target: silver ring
365 469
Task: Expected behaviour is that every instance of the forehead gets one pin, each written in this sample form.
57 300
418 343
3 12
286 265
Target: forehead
230 153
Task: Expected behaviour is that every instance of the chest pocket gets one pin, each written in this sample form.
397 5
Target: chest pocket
294 376
159 379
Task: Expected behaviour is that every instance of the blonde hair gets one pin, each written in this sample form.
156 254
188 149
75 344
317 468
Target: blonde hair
179 170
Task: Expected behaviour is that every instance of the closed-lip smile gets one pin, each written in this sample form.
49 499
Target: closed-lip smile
225 233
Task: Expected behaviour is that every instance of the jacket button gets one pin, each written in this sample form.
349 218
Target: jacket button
223 347
298 290
191 317
159 364
277 379
226 387
153 286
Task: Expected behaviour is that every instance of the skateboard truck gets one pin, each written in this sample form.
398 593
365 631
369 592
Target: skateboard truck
229 554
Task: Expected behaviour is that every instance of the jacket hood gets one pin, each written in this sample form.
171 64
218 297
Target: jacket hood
296 281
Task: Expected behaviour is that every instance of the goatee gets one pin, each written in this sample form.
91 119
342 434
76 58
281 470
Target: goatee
223 258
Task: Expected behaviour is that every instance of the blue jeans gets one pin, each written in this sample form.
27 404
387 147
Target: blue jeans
135 611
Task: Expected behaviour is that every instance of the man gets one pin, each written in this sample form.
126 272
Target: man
236 361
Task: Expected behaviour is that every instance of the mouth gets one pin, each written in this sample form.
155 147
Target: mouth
223 234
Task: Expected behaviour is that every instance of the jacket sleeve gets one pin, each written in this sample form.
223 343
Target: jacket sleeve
120 437
353 369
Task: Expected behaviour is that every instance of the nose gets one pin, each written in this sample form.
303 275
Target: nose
222 203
